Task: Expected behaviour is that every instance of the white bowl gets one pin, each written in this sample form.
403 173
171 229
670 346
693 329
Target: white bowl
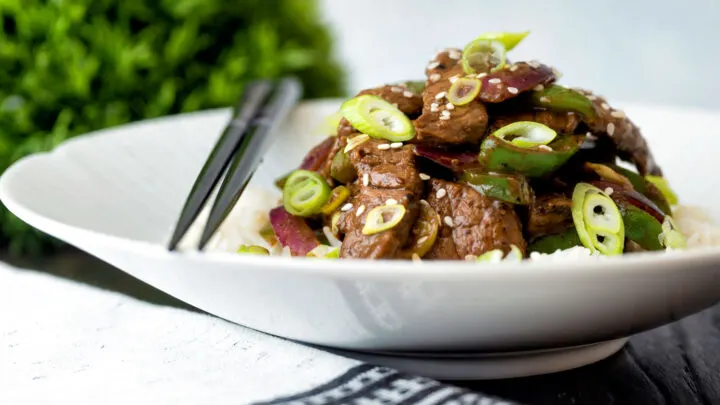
117 193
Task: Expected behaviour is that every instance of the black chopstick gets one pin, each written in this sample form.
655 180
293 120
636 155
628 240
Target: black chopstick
252 116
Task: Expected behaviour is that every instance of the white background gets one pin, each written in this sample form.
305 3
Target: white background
665 52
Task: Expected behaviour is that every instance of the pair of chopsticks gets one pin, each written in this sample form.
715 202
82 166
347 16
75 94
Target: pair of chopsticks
237 153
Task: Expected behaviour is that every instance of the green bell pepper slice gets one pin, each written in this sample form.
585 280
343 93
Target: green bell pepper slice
559 98
645 187
551 243
640 227
512 188
497 155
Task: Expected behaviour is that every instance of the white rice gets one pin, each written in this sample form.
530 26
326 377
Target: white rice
250 214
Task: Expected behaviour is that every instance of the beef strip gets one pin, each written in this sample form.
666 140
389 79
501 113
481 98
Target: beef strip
472 223
561 122
624 133
316 159
549 214
339 143
439 124
382 175
406 101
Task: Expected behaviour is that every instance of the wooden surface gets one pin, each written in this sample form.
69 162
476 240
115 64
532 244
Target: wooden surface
674 364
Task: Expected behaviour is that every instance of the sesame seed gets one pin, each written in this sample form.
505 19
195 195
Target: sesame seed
366 179
432 65
450 106
396 145
408 94
592 97
444 117
424 176
544 99
421 240
513 68
391 201
434 107
454 54
440 95
494 80
449 222
355 142
441 193
434 77
346 207
605 106
396 89
360 210
534 64
618 114
513 90
571 113
481 75
610 129
454 79
470 258
545 147
609 191
539 87
384 146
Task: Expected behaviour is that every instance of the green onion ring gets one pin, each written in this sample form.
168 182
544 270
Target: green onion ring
526 134
305 193
382 218
377 118
482 56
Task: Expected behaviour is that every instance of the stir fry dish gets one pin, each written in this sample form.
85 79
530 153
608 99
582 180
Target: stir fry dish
487 159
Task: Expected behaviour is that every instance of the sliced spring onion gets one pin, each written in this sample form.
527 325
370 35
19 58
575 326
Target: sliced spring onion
383 218
515 254
671 237
662 184
329 124
305 193
526 134
597 220
509 39
377 118
341 168
253 250
464 90
482 56
334 220
337 196
355 141
497 255
268 234
424 232
325 252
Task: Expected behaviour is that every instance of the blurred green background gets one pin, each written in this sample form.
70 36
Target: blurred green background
68 67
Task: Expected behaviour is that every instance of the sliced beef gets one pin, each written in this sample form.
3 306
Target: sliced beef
513 80
382 175
406 101
316 159
561 122
472 223
624 133
549 214
442 122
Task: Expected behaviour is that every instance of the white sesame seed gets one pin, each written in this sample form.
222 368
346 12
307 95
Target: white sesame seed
605 106
346 207
534 64
408 94
366 179
481 75
592 97
360 210
396 145
454 54
434 77
441 193
449 222
544 99
444 117
450 106
391 201
434 107
545 147
396 89
421 240
470 258
571 113
440 95
424 176
384 146
609 191
494 80
355 142
610 129
618 114
453 79
513 68
432 65
513 90
539 87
